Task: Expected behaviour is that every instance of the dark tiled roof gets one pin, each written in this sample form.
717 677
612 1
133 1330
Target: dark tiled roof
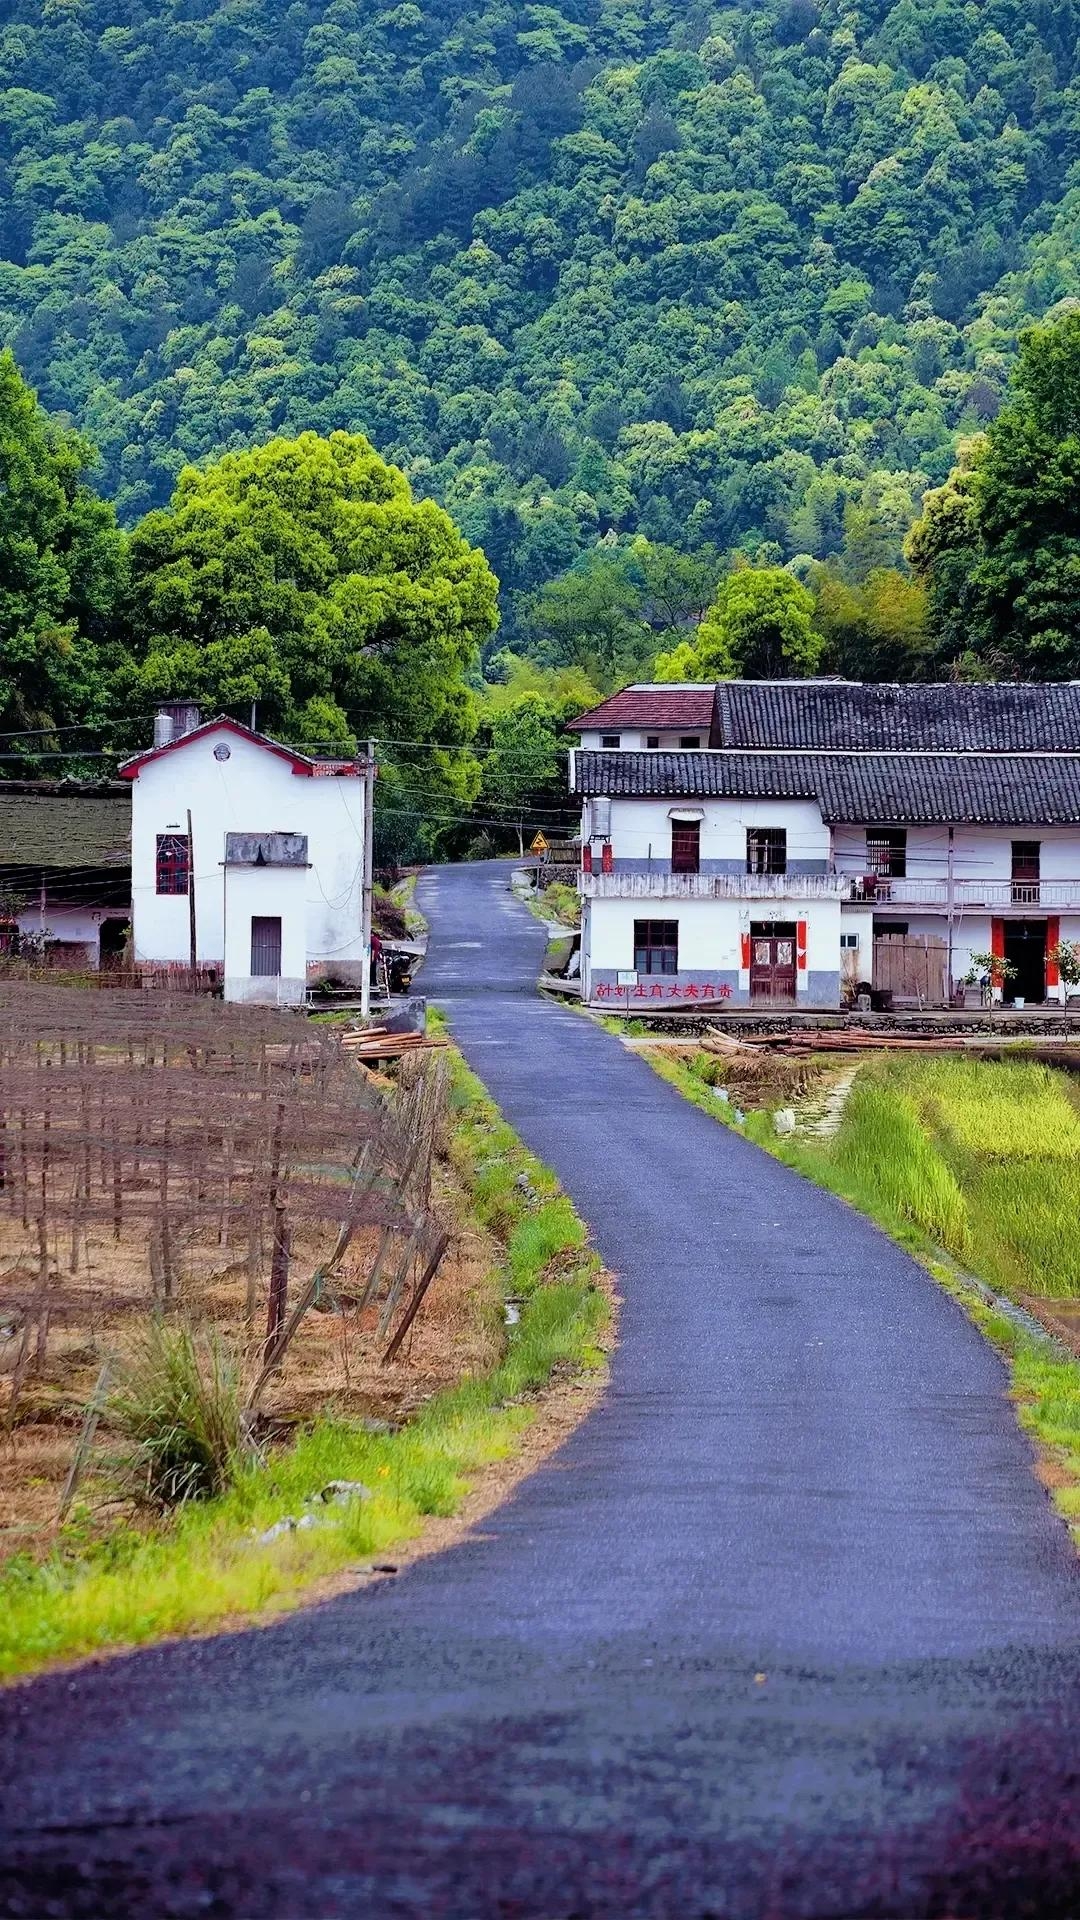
816 714
665 708
873 788
45 826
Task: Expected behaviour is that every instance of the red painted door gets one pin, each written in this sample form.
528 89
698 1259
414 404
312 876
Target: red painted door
772 960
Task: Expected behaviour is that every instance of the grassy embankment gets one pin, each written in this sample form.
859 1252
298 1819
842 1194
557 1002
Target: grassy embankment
974 1167
206 1565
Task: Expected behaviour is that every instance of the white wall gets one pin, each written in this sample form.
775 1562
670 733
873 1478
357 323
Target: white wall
641 829
277 891
979 853
633 739
710 931
253 791
74 924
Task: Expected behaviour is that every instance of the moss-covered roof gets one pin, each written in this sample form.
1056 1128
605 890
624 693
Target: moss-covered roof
49 826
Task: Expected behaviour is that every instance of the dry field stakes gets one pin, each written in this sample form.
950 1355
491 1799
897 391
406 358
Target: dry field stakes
168 1154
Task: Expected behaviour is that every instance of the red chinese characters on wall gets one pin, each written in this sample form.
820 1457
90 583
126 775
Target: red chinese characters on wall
664 990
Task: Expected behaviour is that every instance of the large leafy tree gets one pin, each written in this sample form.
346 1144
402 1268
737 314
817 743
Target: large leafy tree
591 618
999 546
522 767
760 626
303 576
61 569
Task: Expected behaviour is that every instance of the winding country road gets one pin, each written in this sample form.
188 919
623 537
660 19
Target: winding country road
786 1628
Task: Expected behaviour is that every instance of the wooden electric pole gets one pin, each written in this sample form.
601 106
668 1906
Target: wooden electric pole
192 940
367 879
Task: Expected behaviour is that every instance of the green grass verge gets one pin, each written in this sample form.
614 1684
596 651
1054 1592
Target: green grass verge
559 903
206 1565
967 1157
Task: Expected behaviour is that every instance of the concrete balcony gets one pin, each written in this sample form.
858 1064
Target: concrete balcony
989 896
715 886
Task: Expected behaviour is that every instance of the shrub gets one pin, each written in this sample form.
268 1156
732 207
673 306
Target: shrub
178 1406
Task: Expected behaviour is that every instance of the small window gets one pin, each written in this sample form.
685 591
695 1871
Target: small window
685 846
652 739
611 739
886 852
849 940
766 850
1026 862
690 740
656 946
173 863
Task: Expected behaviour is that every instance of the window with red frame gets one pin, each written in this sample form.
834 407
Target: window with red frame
173 863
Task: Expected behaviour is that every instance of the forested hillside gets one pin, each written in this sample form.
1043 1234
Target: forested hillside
727 278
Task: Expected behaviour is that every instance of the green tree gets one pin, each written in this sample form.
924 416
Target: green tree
304 576
876 630
760 627
590 618
61 572
999 546
521 766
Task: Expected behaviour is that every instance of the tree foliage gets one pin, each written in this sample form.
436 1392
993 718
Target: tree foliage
998 546
522 768
303 575
733 279
61 570
760 627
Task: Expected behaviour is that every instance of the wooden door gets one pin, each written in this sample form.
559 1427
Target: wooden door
772 961
265 944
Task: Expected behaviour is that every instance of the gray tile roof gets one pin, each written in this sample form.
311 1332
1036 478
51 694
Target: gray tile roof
869 788
816 714
46 826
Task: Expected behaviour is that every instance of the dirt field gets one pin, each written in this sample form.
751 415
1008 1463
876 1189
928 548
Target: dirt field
88 1201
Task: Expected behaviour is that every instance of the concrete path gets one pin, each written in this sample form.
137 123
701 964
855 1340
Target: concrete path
786 1628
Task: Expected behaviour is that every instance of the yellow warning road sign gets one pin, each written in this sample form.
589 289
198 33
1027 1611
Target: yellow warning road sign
539 844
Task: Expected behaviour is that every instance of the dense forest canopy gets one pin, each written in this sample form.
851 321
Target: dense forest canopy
724 277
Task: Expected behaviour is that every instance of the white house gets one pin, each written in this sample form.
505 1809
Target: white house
273 844
826 835
65 871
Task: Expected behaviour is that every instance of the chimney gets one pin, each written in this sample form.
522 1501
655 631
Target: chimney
173 720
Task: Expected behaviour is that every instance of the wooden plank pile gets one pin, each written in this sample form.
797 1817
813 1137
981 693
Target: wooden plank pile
858 1040
378 1043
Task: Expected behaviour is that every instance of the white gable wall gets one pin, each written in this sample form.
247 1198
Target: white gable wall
253 791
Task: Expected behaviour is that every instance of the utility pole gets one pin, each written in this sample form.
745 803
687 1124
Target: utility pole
951 899
192 942
366 879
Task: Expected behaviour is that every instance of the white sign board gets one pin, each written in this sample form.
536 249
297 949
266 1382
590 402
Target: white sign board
627 979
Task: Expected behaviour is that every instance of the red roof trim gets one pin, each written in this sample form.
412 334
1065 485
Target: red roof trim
299 762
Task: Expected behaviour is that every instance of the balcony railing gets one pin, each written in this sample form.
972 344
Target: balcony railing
993 895
715 886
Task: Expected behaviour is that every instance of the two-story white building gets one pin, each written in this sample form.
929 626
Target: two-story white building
782 844
271 844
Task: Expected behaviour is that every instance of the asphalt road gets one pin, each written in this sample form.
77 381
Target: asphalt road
787 1628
